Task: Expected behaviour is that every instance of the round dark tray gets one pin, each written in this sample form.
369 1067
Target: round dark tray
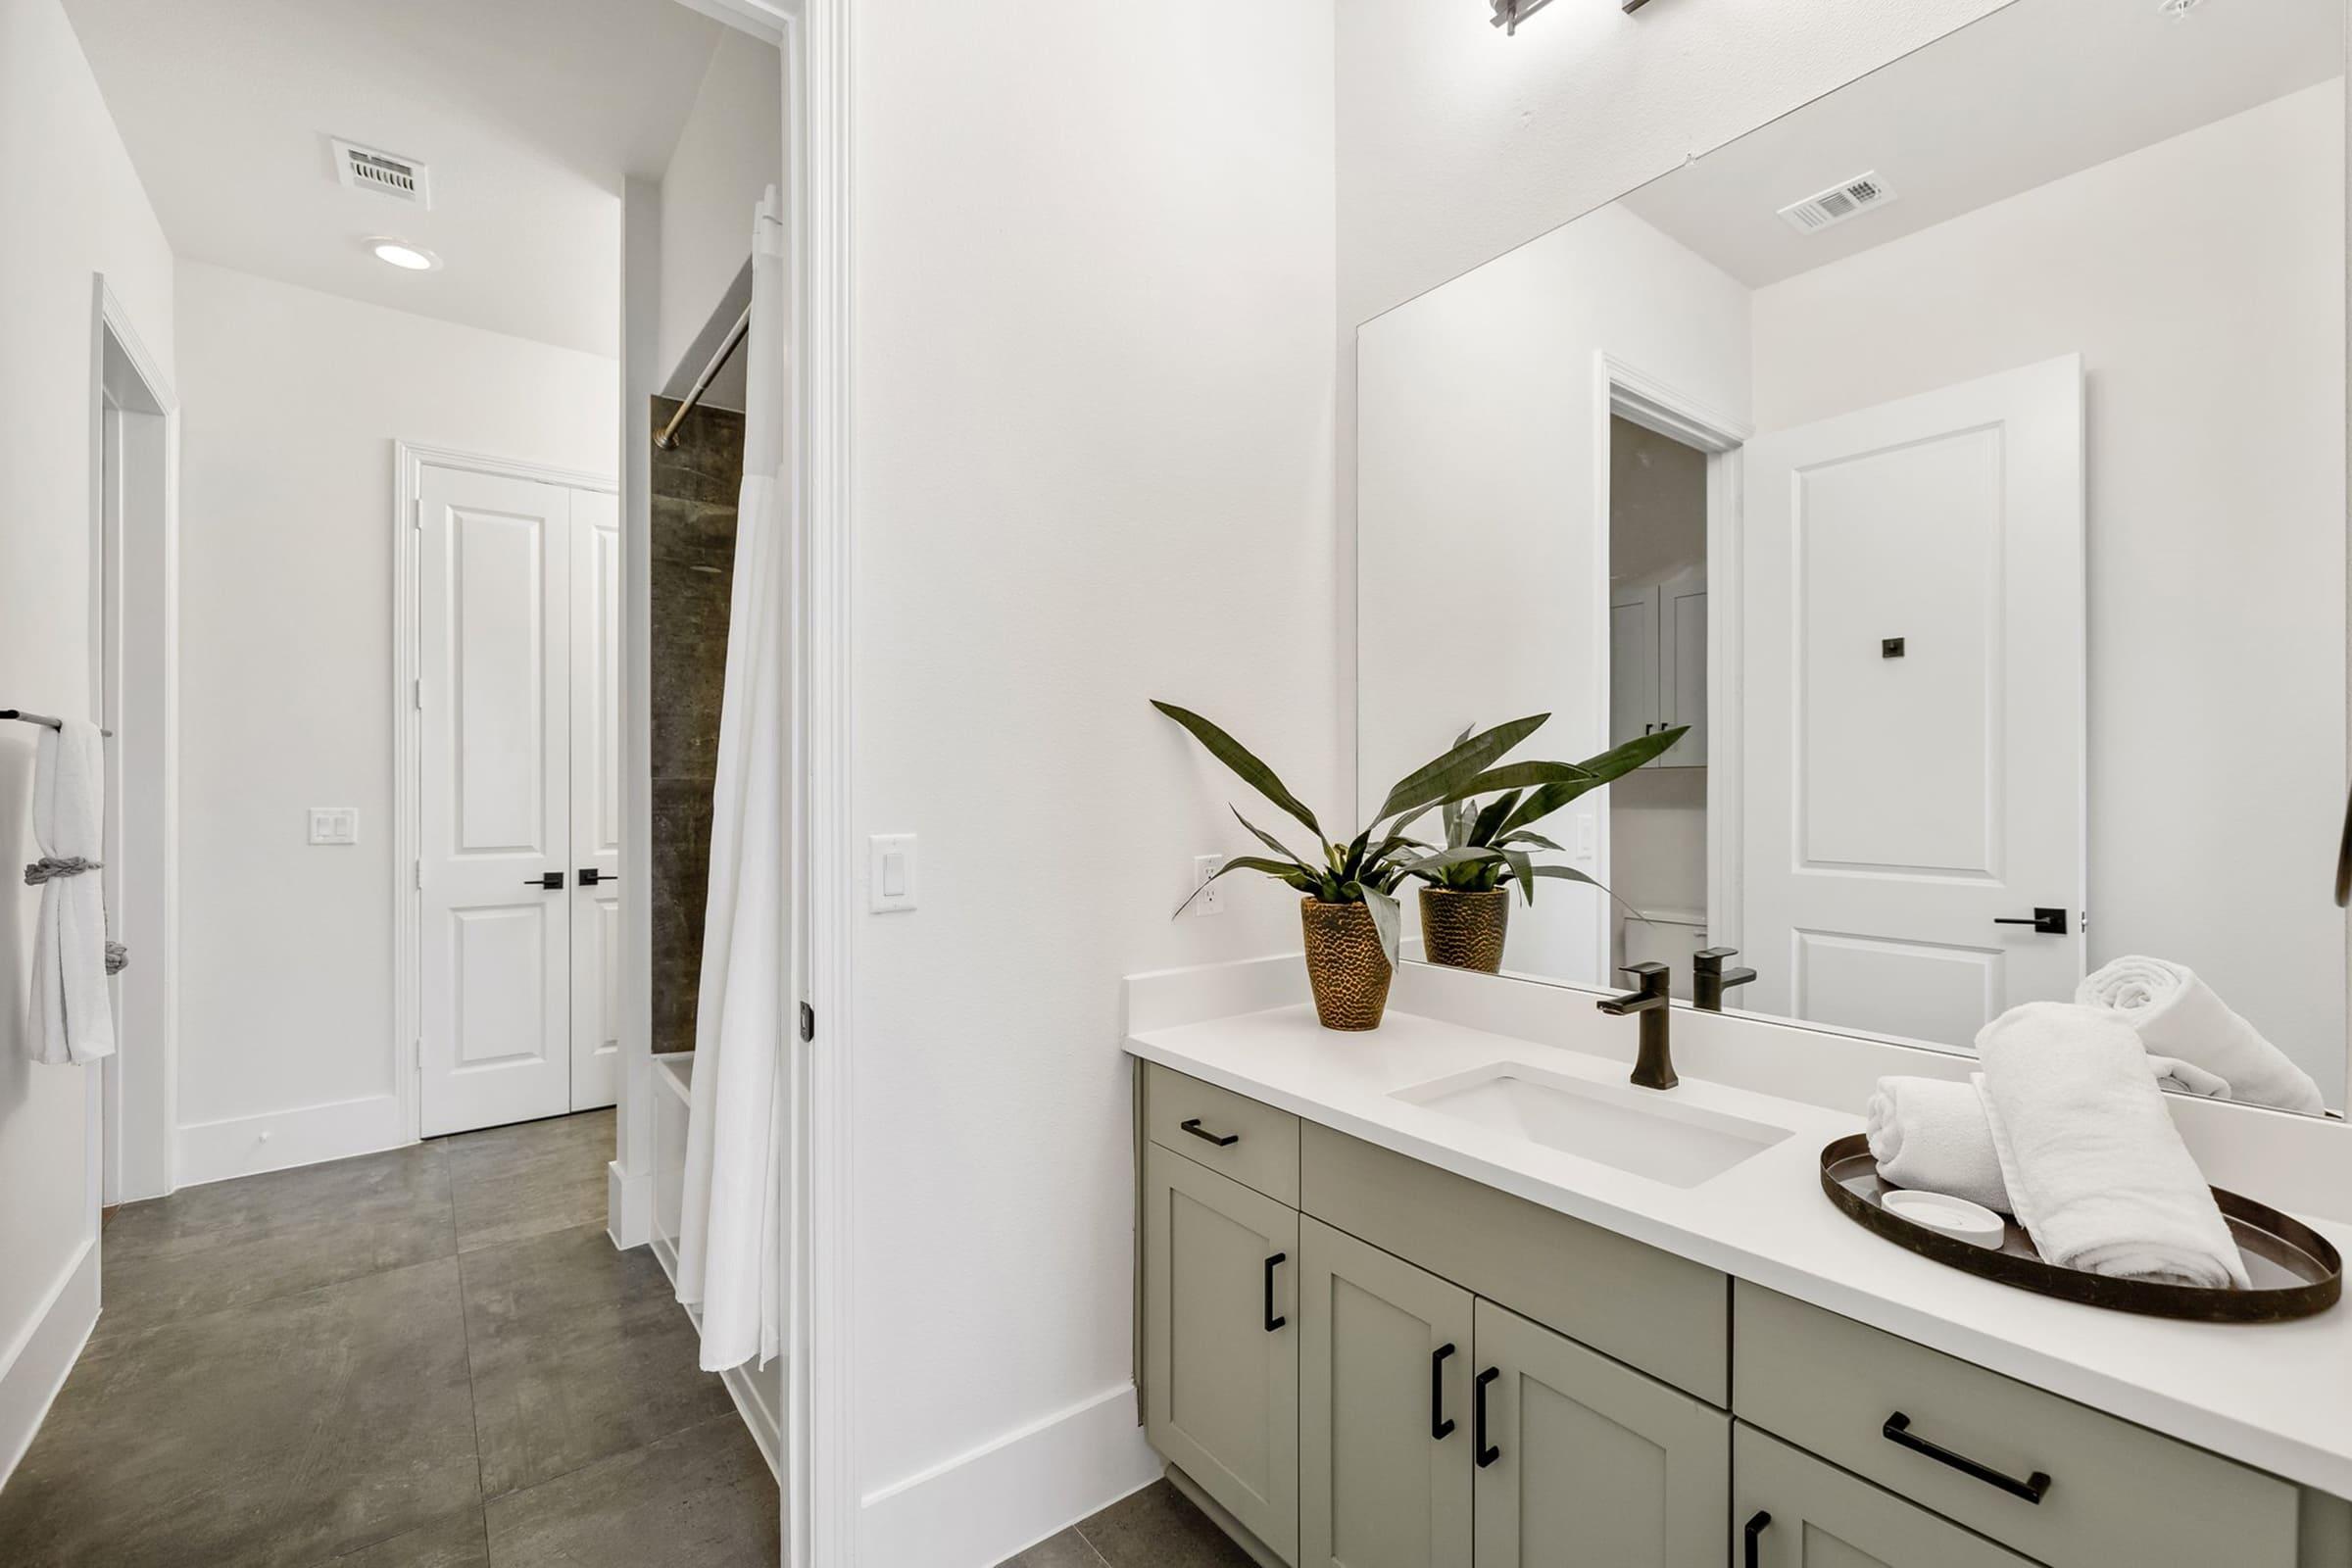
2295 1272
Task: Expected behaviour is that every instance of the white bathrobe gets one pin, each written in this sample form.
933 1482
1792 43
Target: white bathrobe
71 1017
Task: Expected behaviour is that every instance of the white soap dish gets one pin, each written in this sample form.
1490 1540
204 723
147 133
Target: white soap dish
1953 1216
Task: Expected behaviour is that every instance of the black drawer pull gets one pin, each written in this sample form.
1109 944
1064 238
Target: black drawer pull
1755 1533
1488 1453
1272 1263
1441 1425
1897 1430
1193 1125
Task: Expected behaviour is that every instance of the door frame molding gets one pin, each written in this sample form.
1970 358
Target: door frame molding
1623 389
410 460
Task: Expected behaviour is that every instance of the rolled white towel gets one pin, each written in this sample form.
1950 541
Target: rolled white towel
2095 1170
1930 1133
2177 1015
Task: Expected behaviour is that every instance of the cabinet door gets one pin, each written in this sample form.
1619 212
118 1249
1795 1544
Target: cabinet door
1682 657
1221 1341
1632 665
1791 1510
1384 1382
1587 1461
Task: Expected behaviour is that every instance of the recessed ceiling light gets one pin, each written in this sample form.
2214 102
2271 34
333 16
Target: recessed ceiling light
403 255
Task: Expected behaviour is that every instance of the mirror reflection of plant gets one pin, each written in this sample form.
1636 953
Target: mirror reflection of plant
1493 845
1369 867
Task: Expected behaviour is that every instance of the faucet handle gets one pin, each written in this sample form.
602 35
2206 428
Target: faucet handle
1652 974
1710 960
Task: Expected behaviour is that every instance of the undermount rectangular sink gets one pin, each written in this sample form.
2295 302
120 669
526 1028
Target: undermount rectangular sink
1643 1131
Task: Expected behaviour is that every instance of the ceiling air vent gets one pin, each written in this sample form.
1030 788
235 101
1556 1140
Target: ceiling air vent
386 173
1838 203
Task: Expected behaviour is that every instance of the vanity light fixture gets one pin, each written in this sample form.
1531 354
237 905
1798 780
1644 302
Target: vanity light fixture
1509 14
403 255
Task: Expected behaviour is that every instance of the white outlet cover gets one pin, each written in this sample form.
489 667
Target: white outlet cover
1211 897
334 824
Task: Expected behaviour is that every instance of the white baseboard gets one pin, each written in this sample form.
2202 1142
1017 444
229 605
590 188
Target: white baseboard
756 1392
280 1140
43 1353
1006 1496
628 1207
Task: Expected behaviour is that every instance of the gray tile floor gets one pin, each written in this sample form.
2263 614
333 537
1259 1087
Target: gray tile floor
1154 1528
427 1358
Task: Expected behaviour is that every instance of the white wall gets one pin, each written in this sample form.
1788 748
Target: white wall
73 209
293 401
2216 421
1092 466
730 151
1482 426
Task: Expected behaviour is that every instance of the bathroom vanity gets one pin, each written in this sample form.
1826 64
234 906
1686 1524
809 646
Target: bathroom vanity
1453 1291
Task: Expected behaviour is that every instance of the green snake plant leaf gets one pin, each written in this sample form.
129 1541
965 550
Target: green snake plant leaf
1610 765
1270 841
1569 873
1387 919
1246 766
1491 819
1528 775
1533 840
1247 862
1447 777
1467 854
1523 871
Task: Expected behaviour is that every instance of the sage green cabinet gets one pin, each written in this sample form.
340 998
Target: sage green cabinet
1791 1510
1589 1462
1221 1341
1383 1379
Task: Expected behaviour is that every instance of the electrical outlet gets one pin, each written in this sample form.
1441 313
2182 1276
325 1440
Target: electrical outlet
1212 894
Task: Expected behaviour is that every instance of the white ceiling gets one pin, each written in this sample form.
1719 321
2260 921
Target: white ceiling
529 114
2033 92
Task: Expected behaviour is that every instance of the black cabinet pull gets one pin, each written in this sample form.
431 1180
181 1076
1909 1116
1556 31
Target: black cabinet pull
1897 1430
1488 1453
1193 1125
1440 1424
2045 921
1272 1263
549 880
1755 1532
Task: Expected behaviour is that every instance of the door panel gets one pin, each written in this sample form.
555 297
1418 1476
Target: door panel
596 798
1914 662
1221 1396
1594 1462
494 628
1377 1488
1802 1513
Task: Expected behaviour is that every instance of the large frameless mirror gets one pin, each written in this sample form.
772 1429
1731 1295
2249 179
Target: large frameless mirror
1959 462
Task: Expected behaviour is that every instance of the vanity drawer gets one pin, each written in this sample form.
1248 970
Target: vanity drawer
1254 1143
2115 1492
1656 1312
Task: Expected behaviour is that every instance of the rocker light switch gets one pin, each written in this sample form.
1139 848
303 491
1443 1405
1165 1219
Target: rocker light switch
891 872
334 824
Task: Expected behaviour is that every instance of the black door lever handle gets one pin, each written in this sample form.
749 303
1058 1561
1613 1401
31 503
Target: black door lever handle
2044 920
551 880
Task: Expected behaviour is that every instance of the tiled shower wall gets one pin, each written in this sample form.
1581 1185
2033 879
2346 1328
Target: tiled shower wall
694 492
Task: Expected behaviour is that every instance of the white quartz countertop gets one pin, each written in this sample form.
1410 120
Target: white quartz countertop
2277 1396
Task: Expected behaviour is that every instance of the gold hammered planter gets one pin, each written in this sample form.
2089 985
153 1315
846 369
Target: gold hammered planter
1343 961
1465 930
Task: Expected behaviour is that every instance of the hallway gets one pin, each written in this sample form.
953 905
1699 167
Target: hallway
431 1358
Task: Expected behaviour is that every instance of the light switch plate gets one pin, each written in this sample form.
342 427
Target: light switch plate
890 878
334 824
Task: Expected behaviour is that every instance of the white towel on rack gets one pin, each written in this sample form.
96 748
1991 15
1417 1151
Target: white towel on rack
2180 1015
2096 1172
72 1016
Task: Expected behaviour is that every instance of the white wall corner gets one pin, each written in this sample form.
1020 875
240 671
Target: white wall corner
36 1364
628 1206
280 1140
1012 1492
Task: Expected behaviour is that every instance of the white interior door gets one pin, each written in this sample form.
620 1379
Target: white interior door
494 613
596 800
1905 798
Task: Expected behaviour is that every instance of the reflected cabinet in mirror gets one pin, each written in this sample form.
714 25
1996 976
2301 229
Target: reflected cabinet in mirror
1961 460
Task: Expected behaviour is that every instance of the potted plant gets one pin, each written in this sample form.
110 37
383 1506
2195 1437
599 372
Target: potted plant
1465 900
1349 910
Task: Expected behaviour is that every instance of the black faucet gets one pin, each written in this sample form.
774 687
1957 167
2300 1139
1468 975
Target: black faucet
1655 1067
1709 979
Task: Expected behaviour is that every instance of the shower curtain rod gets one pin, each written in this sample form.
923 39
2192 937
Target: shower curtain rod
668 437
42 719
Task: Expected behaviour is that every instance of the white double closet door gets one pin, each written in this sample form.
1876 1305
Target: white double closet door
518 616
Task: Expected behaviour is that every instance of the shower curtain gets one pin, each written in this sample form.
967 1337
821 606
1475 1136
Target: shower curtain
728 1241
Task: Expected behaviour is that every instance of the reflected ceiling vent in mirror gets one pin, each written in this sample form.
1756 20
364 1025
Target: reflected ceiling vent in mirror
1847 199
386 173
